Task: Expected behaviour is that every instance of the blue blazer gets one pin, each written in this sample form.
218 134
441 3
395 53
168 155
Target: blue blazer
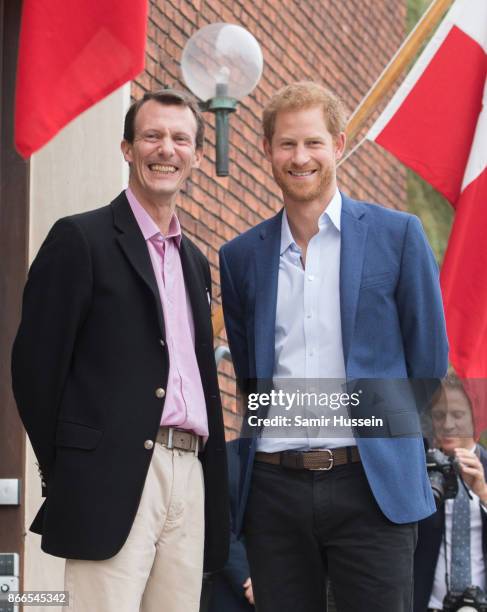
392 328
430 537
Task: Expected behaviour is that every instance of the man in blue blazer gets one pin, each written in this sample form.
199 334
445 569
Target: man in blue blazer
453 431
336 289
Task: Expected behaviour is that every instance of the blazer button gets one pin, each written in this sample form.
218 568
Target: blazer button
160 393
148 444
162 342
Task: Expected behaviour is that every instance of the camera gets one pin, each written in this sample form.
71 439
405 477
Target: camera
471 600
442 472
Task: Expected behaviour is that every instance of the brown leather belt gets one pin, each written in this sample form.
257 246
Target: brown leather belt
321 460
178 438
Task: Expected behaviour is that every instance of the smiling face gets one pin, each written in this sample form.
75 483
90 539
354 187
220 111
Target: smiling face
452 421
162 153
303 155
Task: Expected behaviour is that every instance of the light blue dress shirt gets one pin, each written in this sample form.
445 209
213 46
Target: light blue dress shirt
308 333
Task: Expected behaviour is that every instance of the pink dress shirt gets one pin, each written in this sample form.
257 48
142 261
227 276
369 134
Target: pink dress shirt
185 406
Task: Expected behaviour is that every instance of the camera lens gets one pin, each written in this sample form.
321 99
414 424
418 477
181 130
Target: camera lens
438 485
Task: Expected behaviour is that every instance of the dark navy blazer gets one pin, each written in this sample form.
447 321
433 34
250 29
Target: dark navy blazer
430 537
392 328
227 594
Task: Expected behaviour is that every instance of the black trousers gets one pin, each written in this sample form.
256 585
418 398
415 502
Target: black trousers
302 527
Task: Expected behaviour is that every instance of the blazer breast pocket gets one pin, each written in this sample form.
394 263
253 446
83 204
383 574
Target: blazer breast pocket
375 280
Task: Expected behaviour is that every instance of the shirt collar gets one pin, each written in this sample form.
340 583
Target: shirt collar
146 223
331 213
286 237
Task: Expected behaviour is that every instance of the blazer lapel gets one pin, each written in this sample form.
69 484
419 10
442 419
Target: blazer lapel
267 267
198 293
134 247
353 239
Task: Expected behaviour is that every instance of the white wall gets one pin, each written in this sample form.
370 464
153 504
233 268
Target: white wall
80 169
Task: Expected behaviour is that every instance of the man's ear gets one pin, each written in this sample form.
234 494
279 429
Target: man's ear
126 148
267 149
340 144
198 156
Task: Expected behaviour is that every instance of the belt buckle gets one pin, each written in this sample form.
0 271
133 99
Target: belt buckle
170 441
325 469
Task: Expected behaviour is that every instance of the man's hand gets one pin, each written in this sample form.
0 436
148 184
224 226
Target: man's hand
248 592
472 472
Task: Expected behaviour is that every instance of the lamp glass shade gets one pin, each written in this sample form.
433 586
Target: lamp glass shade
222 60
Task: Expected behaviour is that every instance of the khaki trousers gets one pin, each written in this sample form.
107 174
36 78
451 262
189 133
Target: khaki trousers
159 568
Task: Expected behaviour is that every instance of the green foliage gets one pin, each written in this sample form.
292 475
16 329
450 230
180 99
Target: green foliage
434 211
415 9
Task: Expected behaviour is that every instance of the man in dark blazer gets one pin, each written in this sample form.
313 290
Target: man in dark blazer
453 430
331 288
115 380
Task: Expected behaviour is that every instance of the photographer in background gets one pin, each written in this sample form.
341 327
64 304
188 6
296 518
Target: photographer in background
451 554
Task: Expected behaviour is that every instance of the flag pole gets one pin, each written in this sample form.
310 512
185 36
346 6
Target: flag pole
378 91
395 67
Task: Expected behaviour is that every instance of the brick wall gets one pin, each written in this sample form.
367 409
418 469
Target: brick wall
344 44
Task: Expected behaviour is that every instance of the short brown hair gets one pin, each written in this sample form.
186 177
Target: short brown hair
167 97
305 94
453 383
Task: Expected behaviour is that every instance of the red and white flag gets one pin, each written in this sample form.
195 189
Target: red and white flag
436 124
71 55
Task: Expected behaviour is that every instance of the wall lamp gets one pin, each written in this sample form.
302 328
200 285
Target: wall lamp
221 64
